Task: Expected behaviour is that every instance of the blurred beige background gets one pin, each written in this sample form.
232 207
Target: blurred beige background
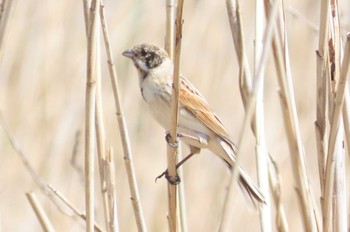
42 91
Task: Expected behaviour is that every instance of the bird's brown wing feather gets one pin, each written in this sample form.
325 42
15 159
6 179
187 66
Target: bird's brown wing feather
194 102
191 99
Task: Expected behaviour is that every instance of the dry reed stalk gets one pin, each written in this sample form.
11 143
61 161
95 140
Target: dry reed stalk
338 206
346 117
44 187
331 78
101 136
286 93
101 149
245 89
321 82
245 80
172 150
260 146
73 160
335 123
170 29
3 6
101 142
281 219
92 69
40 213
123 130
245 85
169 47
340 209
109 178
72 207
37 179
5 11
321 125
228 205
182 199
86 8
294 12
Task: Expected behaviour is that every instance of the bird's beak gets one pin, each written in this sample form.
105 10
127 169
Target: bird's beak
128 53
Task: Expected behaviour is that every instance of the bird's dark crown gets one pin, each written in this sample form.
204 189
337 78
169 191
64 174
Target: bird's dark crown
151 55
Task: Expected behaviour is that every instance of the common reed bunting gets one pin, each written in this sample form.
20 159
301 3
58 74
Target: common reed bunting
198 126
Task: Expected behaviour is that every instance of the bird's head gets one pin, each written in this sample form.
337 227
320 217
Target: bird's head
146 57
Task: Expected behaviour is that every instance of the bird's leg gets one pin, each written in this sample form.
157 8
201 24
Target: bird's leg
194 150
177 178
175 145
200 141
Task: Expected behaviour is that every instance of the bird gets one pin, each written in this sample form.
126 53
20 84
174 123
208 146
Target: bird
198 126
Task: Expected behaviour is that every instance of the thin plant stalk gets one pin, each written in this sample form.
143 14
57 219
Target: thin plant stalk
280 48
182 199
170 29
340 208
86 8
321 83
5 11
245 88
123 130
101 147
245 79
172 150
228 205
346 117
37 179
303 18
335 123
109 174
275 180
261 152
335 57
100 139
72 207
39 212
92 69
169 47
101 135
43 186
296 150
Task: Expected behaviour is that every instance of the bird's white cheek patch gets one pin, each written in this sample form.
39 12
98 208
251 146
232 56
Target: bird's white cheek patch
142 65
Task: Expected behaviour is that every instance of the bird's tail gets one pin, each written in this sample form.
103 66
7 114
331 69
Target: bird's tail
248 186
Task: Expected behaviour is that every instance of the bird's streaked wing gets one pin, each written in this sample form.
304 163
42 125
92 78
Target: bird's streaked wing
194 102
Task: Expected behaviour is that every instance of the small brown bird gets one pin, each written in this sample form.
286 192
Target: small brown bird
198 125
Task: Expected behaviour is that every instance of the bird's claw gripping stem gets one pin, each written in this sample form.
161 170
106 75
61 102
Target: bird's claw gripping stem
173 181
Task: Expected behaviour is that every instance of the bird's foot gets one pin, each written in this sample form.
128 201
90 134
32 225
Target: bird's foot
172 180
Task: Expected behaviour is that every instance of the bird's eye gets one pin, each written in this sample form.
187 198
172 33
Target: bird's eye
143 53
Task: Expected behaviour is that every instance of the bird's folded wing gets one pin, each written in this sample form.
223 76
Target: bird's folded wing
194 102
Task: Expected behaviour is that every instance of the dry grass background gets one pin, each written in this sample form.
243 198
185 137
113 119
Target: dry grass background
42 91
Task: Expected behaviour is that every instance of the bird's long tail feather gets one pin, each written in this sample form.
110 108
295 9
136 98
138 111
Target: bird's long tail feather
246 183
